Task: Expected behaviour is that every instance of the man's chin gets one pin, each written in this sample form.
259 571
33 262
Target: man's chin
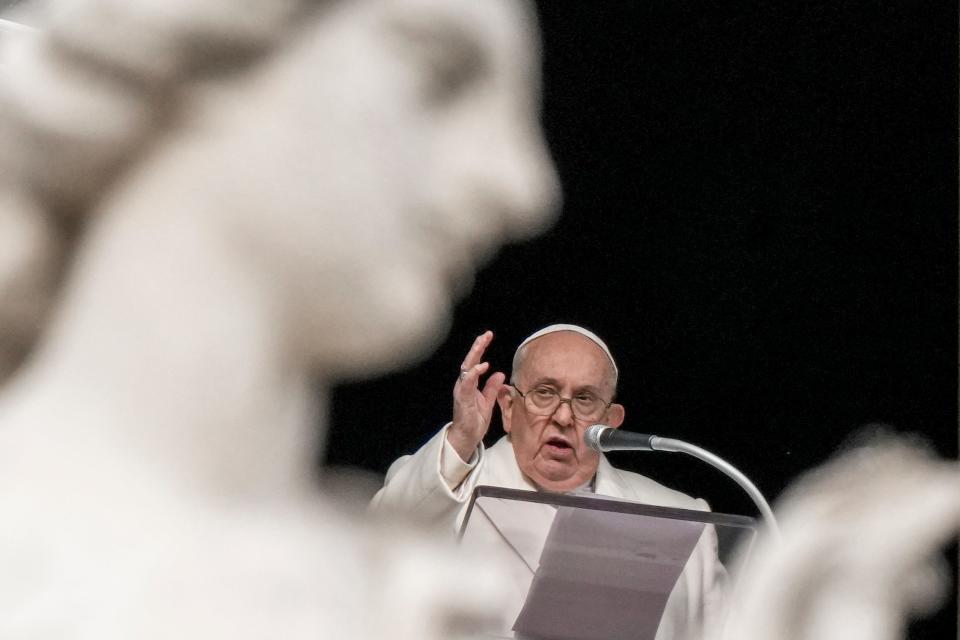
555 477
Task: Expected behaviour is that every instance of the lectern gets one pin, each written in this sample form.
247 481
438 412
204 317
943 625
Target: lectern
586 567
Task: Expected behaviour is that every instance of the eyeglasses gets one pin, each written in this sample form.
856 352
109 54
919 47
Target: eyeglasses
545 400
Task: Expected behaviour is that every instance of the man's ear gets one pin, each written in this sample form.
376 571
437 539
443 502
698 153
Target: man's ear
505 400
615 415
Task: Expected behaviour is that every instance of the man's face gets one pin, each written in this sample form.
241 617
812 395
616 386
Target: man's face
550 449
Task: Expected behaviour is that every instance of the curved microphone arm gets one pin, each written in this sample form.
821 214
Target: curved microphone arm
669 444
601 437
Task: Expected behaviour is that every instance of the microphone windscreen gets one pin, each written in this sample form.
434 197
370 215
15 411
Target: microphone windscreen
591 437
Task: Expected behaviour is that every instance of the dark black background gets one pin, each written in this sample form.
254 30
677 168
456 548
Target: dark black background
760 218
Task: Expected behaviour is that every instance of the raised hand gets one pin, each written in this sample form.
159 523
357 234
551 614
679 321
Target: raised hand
473 406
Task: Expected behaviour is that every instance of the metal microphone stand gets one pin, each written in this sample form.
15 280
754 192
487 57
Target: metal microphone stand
598 437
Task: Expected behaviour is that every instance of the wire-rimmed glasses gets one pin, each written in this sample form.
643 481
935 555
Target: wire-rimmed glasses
544 400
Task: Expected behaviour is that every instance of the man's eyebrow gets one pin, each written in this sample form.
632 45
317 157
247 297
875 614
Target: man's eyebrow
553 382
588 387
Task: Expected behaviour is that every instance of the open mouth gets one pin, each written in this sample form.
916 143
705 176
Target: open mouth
558 446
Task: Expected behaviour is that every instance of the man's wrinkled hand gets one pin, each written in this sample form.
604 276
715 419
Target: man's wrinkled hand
473 405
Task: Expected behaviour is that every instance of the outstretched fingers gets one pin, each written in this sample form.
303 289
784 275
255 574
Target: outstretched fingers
474 357
472 366
492 388
473 406
469 378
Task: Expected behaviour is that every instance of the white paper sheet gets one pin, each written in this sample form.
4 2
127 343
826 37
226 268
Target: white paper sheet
602 576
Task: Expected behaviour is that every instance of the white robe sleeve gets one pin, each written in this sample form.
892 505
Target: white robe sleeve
430 485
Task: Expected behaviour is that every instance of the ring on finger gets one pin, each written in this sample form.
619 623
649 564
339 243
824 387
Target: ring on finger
463 373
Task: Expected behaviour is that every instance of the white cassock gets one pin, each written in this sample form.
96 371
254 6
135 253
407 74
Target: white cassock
434 486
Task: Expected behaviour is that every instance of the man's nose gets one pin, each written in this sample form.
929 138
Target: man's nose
563 416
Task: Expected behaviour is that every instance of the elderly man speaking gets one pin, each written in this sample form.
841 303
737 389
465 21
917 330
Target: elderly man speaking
564 379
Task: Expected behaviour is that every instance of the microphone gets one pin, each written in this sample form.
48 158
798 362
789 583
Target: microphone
600 437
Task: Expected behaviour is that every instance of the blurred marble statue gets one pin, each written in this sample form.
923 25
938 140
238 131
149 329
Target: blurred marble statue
858 557
204 207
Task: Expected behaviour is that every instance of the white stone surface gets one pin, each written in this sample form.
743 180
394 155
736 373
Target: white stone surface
858 559
210 206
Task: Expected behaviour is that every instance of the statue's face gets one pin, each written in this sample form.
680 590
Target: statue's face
425 157
364 169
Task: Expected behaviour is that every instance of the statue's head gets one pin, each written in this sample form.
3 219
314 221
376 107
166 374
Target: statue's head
363 158
427 156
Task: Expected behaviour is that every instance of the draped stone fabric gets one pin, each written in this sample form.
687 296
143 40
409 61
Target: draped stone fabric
858 556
